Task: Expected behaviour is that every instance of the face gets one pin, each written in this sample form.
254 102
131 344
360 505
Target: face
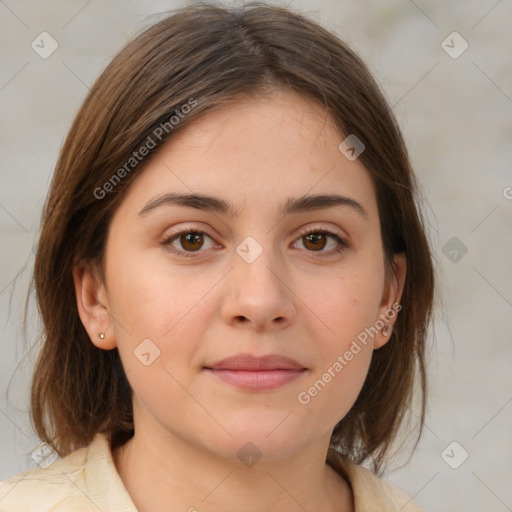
253 272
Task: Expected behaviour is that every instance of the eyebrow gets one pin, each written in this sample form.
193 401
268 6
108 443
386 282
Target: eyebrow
221 206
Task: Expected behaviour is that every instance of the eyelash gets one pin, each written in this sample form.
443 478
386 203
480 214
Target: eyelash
343 244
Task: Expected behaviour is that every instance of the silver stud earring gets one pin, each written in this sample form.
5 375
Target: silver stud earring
385 331
101 335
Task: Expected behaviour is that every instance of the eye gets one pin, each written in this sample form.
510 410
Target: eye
317 239
191 241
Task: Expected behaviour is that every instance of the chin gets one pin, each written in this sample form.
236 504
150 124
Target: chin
265 439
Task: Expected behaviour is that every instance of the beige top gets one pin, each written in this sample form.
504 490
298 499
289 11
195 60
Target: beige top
87 481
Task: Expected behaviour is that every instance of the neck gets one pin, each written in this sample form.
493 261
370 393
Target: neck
193 480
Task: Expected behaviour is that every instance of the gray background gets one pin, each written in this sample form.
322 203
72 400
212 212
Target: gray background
456 116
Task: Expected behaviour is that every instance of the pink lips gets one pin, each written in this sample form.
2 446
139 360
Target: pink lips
257 373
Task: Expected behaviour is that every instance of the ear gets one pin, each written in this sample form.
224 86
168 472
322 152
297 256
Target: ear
390 305
93 307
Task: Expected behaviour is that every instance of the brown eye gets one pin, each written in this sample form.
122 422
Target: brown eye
191 241
316 241
187 242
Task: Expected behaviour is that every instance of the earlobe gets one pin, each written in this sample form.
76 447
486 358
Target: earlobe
92 304
390 305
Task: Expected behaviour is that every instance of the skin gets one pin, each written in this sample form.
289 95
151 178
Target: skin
296 299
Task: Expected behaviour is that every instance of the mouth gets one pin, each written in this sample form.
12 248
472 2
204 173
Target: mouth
257 373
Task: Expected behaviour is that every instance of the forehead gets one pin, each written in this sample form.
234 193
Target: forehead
259 151
268 126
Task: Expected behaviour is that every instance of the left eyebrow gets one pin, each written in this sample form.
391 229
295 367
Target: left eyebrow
218 205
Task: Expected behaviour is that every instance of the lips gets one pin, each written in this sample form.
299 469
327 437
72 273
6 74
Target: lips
257 373
251 363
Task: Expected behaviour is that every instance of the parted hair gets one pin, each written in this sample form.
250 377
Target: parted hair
209 56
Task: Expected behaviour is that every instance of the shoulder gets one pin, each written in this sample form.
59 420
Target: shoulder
45 488
371 493
82 481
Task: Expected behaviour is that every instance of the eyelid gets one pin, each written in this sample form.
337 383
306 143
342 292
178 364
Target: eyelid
169 238
320 228
186 229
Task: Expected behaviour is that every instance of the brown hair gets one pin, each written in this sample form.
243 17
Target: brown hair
213 55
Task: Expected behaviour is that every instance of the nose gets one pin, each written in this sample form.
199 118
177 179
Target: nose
260 295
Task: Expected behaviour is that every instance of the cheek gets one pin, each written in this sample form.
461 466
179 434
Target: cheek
348 304
332 391
160 305
149 294
344 360
151 300
348 307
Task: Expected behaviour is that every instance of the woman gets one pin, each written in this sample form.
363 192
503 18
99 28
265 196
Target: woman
233 276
